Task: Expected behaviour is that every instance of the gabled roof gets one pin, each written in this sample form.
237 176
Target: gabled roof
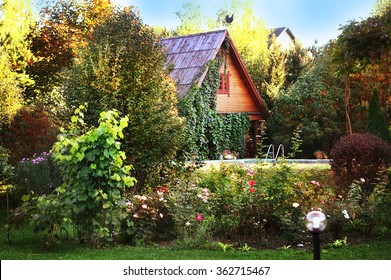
188 56
277 32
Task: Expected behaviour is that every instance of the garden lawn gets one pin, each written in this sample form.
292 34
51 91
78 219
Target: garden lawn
25 246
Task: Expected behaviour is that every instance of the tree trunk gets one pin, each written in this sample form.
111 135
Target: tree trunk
347 106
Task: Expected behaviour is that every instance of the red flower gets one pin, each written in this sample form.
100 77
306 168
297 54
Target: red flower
323 93
252 190
199 217
251 183
162 189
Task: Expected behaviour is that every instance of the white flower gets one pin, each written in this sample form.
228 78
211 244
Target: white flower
362 180
295 204
188 223
345 214
144 206
161 215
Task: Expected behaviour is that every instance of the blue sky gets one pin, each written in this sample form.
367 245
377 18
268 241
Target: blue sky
308 19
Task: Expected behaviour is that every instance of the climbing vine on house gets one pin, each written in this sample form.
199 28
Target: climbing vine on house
209 133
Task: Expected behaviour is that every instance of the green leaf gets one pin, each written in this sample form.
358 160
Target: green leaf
129 181
110 141
107 205
80 156
115 177
115 193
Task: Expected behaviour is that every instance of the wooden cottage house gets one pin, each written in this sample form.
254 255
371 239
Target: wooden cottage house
188 57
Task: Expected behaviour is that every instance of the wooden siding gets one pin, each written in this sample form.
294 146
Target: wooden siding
239 99
187 58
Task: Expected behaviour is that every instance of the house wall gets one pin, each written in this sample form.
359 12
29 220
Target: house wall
239 99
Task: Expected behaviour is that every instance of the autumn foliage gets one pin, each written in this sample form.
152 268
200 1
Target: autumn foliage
30 132
361 159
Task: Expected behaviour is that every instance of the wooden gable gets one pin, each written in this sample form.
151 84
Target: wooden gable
188 57
242 96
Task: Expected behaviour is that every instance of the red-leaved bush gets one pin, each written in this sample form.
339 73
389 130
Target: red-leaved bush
361 158
30 132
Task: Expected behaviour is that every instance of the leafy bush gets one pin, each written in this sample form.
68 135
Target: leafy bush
30 132
360 158
50 215
94 175
254 202
311 104
145 215
190 208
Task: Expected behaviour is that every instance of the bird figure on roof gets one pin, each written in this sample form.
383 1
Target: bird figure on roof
229 19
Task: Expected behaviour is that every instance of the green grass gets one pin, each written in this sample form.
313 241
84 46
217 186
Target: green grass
25 246
295 166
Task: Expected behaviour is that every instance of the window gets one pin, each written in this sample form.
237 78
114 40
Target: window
224 83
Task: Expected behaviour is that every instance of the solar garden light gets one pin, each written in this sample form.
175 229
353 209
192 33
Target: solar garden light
316 223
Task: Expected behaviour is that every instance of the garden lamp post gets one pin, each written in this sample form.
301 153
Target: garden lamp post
316 223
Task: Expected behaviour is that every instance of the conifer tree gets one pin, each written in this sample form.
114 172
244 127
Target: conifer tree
376 119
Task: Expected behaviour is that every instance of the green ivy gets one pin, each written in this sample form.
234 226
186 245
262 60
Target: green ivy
209 133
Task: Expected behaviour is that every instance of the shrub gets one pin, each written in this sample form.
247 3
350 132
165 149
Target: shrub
360 158
190 207
145 215
94 175
31 131
254 202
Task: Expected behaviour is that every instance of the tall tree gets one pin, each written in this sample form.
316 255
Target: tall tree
381 7
251 38
376 120
15 24
122 68
359 45
311 104
10 91
276 74
191 18
63 27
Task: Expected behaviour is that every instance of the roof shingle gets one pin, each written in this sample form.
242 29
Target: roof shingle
189 54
